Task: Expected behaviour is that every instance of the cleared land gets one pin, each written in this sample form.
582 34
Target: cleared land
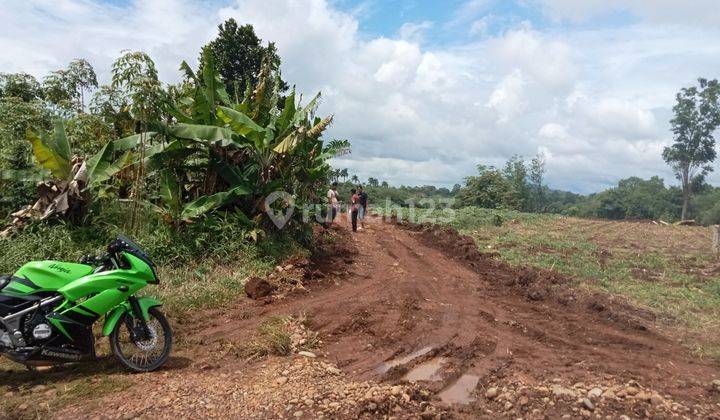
406 321
669 270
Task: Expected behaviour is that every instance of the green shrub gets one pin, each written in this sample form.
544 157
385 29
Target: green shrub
710 216
212 239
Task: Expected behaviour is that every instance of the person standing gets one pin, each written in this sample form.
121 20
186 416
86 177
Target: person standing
363 206
354 208
333 204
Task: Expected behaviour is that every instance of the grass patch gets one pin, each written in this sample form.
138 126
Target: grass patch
204 265
279 336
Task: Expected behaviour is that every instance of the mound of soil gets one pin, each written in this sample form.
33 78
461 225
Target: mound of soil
257 288
534 284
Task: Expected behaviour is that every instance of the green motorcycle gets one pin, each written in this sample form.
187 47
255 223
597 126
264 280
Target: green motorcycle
48 308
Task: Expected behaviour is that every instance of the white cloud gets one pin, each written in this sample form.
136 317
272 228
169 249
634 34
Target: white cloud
548 60
414 32
481 26
468 11
696 12
508 97
553 131
594 102
42 35
620 118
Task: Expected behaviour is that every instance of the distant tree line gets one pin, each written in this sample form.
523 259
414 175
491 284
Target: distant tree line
519 185
382 193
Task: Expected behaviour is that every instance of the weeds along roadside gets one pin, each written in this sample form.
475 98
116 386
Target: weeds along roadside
201 265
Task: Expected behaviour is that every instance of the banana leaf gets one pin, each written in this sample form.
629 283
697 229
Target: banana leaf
215 92
60 142
205 204
239 122
48 157
103 165
283 123
180 116
231 174
203 133
131 142
161 156
184 66
170 191
289 142
302 115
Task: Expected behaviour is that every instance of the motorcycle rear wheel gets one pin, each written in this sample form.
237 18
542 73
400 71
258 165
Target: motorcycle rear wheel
142 355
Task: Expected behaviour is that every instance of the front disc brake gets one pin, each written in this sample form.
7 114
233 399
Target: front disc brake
148 345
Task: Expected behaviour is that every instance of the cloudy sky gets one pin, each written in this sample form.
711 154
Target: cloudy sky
427 89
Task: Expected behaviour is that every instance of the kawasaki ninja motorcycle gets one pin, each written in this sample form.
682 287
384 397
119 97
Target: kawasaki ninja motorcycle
47 309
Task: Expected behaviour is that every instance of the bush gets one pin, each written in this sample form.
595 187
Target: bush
710 216
212 239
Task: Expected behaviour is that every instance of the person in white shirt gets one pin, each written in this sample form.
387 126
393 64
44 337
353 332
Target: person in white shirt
333 202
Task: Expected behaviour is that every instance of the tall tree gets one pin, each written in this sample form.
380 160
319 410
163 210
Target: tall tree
135 80
697 116
134 75
490 188
82 80
238 54
516 173
537 172
20 85
112 105
67 88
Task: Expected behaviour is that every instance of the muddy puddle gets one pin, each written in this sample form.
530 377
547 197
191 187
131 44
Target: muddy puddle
386 366
461 391
426 371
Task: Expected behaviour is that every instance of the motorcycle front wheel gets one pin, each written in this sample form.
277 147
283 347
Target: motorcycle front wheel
142 355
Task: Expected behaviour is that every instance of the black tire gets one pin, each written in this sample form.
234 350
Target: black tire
157 319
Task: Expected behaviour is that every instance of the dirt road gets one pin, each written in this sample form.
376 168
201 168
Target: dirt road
421 324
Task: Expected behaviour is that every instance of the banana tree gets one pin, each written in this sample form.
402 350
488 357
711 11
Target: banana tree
62 179
223 154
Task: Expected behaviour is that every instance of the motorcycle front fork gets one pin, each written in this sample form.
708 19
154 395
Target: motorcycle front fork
145 333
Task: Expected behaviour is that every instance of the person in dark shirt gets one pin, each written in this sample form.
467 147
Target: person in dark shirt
363 205
354 209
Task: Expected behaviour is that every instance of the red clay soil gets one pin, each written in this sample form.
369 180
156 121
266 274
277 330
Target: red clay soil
388 292
391 290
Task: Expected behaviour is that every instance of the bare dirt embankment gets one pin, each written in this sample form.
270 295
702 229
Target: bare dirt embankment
415 322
